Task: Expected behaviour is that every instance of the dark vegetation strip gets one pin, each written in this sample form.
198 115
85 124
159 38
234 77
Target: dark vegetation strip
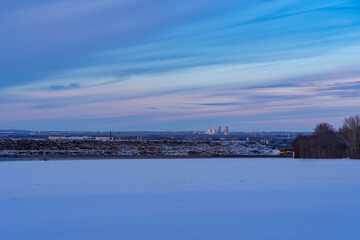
326 142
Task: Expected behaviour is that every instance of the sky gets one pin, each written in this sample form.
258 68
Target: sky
162 65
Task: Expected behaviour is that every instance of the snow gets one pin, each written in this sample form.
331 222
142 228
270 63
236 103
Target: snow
180 199
27 147
275 152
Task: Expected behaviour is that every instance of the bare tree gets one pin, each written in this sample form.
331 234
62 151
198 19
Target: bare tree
304 146
328 143
323 143
350 135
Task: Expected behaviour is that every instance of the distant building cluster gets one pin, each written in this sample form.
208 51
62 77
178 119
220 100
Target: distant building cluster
97 138
216 131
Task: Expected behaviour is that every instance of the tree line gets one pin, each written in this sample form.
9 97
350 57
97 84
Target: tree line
326 142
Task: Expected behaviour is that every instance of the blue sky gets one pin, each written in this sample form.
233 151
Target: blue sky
178 65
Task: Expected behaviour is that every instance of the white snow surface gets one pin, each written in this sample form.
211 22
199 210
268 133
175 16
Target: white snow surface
259 198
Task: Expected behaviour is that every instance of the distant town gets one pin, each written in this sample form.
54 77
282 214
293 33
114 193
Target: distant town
272 139
210 143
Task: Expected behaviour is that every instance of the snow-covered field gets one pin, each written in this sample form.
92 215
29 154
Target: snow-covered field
180 199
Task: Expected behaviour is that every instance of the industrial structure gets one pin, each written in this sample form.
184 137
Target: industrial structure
216 131
210 131
226 130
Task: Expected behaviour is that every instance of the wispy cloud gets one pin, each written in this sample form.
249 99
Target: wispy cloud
63 87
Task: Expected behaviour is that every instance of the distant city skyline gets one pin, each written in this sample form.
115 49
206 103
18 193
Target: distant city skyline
178 65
